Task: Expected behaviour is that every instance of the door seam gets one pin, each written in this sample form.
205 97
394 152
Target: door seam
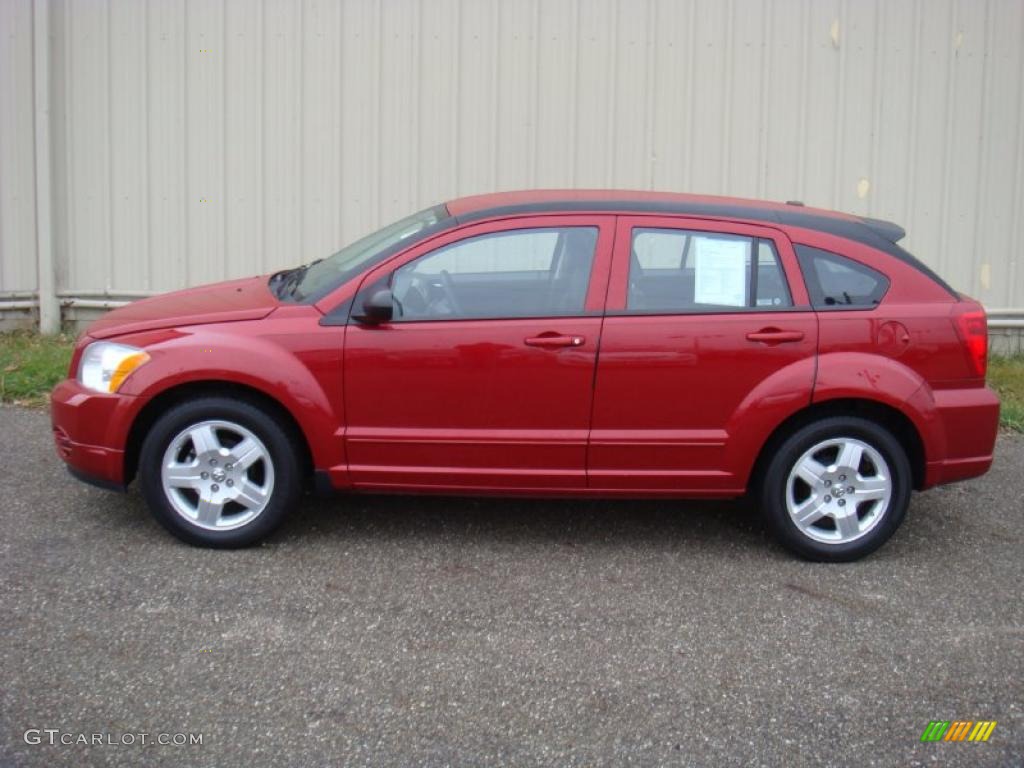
597 352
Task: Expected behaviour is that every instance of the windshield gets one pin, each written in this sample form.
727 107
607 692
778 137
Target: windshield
315 280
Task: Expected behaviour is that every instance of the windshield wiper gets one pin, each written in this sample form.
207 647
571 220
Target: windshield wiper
275 280
286 282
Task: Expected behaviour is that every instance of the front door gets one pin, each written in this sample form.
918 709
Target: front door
483 379
708 340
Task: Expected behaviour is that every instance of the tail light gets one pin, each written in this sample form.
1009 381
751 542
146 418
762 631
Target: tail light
972 325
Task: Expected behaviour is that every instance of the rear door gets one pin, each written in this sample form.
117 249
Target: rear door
484 378
707 338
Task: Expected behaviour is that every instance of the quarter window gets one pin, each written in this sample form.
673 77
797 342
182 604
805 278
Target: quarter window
515 273
678 271
835 282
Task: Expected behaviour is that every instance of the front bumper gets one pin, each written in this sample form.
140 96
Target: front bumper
969 419
90 432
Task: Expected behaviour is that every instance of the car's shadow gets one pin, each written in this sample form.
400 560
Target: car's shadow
711 528
572 522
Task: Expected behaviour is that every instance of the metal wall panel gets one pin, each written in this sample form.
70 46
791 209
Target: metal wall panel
17 164
194 140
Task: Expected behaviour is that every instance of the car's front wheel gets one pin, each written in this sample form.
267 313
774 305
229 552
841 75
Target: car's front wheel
219 472
836 489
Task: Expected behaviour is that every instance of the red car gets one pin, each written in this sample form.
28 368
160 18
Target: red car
551 343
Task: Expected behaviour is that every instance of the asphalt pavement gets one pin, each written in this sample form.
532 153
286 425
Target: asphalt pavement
435 631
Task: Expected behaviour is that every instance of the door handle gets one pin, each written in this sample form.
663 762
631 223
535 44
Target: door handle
775 336
553 341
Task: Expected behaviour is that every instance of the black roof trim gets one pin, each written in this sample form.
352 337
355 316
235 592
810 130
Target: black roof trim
875 233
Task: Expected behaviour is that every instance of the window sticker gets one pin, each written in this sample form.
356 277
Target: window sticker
720 267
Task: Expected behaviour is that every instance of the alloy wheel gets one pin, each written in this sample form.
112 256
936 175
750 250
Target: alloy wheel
839 490
218 475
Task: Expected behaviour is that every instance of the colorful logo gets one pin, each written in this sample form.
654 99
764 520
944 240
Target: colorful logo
958 730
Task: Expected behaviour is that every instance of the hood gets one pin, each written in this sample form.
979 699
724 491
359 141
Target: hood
246 299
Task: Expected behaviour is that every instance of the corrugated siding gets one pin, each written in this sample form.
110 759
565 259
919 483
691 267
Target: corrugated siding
194 140
17 147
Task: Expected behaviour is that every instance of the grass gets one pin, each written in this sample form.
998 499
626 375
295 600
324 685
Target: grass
30 365
1006 376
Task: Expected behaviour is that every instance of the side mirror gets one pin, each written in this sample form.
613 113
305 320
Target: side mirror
377 309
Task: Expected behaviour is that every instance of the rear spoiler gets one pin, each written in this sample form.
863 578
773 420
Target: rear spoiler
891 232
884 229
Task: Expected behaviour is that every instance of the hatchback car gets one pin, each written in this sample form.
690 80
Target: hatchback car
583 343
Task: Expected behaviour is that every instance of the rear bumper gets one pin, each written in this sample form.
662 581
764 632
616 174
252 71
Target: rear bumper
969 420
90 431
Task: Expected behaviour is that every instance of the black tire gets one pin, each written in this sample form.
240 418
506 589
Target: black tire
772 492
282 452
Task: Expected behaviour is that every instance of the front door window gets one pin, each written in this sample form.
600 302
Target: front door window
517 273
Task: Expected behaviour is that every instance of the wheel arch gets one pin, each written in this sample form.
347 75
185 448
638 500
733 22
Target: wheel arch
191 390
895 421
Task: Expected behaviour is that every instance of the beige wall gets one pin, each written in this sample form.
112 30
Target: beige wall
192 141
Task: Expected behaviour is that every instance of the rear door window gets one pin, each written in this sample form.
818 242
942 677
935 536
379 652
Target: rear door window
836 282
681 271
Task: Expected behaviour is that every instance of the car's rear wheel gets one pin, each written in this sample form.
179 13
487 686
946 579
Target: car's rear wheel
219 472
836 489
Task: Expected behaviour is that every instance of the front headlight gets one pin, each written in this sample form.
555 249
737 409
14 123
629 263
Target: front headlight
105 365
